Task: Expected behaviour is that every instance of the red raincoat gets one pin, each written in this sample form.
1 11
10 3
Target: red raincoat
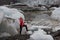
21 21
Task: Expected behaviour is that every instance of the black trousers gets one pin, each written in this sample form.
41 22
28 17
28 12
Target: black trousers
22 27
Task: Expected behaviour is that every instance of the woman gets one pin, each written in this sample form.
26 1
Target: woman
22 24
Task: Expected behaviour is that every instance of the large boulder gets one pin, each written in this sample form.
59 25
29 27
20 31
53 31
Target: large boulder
10 21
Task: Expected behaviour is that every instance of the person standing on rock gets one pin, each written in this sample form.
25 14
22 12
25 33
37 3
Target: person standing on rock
22 24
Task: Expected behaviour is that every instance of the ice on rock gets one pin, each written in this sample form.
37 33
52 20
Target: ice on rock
12 12
16 14
56 14
16 24
40 35
8 26
5 10
12 29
